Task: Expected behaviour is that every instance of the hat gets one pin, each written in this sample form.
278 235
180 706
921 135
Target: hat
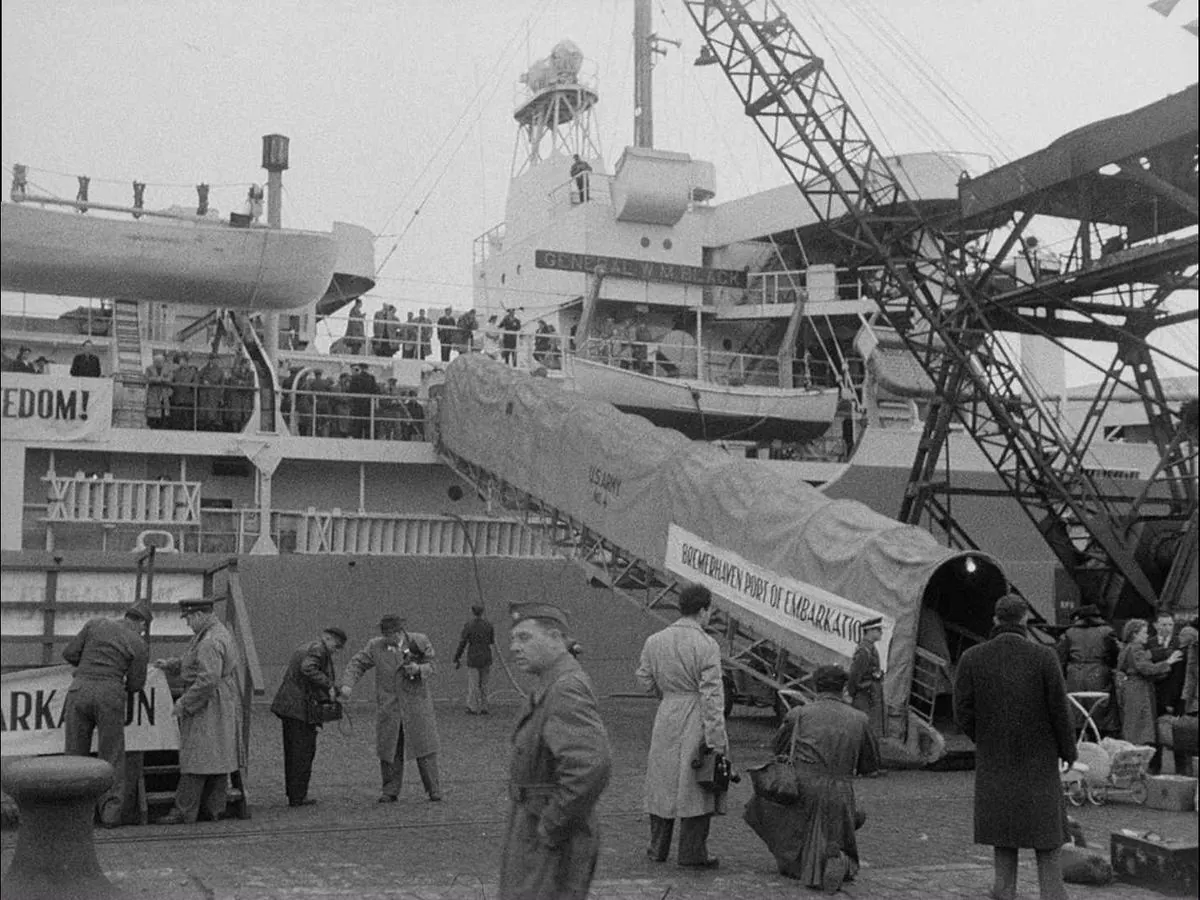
876 622
391 622
830 678
1087 611
337 633
195 604
519 612
138 611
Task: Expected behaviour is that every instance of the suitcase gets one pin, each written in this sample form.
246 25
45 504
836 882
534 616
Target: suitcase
1171 792
1154 862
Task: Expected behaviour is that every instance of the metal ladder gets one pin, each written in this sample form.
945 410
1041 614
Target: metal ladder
131 367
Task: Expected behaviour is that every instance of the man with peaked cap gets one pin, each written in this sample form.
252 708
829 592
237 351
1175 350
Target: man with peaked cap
828 742
560 765
405 727
866 677
308 678
681 665
109 656
209 713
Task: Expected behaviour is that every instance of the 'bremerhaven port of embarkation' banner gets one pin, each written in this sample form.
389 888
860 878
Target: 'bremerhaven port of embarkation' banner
31 713
814 614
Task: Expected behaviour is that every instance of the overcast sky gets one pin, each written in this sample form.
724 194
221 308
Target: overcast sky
400 113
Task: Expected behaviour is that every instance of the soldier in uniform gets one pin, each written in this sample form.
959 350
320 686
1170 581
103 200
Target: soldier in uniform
405 727
560 765
209 714
110 658
866 677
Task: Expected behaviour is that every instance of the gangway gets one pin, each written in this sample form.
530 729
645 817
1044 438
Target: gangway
644 510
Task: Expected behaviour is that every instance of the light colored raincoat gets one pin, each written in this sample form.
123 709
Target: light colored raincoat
400 701
682 665
209 708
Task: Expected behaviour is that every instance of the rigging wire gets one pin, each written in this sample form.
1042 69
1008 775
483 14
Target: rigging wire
501 61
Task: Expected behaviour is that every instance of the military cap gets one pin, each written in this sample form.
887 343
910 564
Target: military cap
195 604
519 612
336 632
876 622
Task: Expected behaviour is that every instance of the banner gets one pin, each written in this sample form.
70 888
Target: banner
31 713
808 611
55 408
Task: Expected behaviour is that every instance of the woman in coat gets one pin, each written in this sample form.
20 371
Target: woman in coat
1138 714
209 714
405 727
681 665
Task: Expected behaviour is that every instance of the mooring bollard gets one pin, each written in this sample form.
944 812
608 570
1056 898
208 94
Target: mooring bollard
55 857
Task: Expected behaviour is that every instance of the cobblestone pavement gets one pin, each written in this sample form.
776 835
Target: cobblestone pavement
916 843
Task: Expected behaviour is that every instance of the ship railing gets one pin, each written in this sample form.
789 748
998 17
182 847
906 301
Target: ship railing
384 339
595 188
228 408
663 360
314 532
489 243
375 417
786 287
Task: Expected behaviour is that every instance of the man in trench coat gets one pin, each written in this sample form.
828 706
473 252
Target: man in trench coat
405 727
681 665
560 765
1011 700
209 714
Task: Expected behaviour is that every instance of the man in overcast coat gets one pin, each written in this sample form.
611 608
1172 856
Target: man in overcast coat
1011 700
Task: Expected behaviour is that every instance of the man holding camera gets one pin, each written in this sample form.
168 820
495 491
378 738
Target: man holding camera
405 727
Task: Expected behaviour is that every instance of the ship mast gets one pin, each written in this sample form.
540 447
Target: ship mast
645 44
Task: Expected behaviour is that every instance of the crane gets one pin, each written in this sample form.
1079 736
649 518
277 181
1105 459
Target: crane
938 298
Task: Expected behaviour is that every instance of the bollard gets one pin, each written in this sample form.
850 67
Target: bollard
55 857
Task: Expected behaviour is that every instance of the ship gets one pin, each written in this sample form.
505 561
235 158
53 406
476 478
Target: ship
738 325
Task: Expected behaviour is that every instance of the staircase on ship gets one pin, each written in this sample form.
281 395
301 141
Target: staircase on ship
130 368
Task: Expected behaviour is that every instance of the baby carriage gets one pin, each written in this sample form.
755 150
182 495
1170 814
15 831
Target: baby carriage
1105 768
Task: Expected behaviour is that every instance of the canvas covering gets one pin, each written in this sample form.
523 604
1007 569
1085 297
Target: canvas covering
636 483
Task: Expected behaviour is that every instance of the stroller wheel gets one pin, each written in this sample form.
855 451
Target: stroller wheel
1095 794
1076 793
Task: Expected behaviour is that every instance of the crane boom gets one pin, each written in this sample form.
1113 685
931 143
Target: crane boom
924 293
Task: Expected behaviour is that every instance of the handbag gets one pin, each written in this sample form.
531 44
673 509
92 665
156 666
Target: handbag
776 780
321 710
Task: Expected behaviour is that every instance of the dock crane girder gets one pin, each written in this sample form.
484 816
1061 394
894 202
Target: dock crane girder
925 294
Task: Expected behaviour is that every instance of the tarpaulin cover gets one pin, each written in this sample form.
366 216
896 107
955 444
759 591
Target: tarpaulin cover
800 568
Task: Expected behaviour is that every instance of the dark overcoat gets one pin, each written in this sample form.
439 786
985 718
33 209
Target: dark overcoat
1010 699
1088 651
560 764
309 676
